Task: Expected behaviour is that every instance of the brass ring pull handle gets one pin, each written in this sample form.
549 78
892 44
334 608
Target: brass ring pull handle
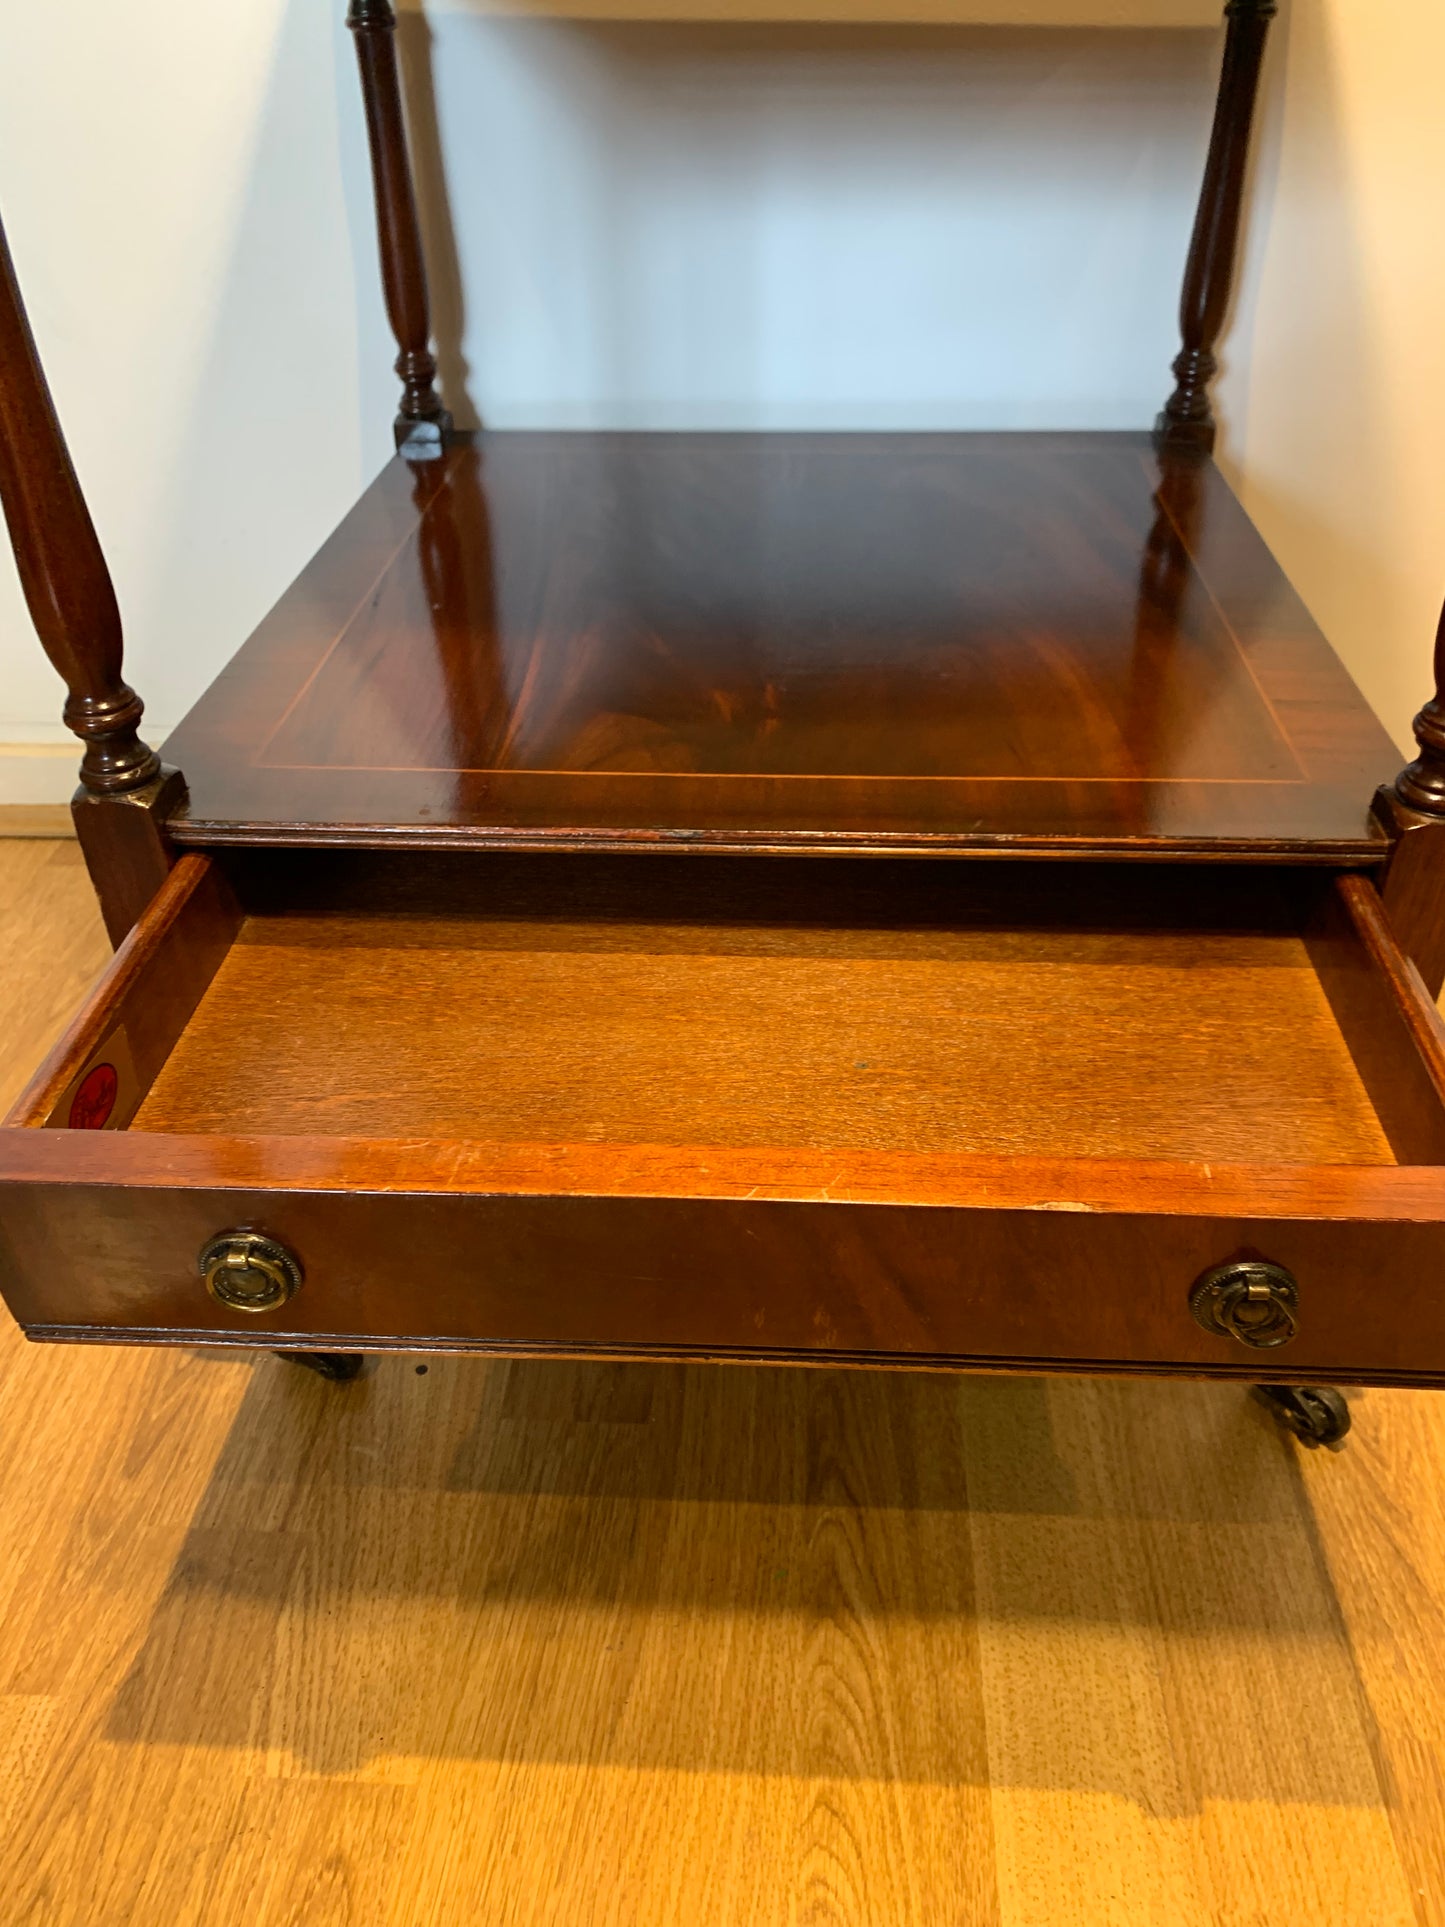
1256 1303
247 1272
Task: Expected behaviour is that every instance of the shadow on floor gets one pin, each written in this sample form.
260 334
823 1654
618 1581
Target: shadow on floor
814 1573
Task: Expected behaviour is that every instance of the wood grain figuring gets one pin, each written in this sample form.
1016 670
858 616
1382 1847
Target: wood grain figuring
536 1642
972 1284
139 1160
597 1000
826 642
1090 1045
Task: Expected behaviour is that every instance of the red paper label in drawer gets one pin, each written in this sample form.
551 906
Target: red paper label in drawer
106 1093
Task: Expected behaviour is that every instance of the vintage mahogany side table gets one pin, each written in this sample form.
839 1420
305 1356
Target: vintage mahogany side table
909 900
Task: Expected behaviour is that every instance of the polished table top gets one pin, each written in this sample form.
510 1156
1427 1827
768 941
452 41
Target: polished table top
911 642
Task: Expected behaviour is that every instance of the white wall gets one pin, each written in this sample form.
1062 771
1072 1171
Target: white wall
1334 400
184 191
655 224
764 227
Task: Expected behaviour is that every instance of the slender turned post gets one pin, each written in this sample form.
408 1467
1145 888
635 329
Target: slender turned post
1421 784
62 571
125 796
422 423
1188 420
1412 810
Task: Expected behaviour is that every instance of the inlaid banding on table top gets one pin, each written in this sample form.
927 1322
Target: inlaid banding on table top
962 635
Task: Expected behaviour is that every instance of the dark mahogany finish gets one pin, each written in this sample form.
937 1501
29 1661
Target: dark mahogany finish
1413 814
984 1115
804 1243
810 1262
1421 785
422 422
1187 420
1386 1015
930 643
62 571
127 845
125 794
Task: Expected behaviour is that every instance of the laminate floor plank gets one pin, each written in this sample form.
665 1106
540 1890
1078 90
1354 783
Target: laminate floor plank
1382 1541
618 1646
52 944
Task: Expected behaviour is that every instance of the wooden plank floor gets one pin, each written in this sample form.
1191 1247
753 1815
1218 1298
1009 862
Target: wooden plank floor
537 1643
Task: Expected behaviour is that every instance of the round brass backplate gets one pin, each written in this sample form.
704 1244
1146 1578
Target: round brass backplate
246 1271
1250 1300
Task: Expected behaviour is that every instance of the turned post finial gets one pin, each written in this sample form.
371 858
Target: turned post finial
1187 420
1421 784
63 575
422 423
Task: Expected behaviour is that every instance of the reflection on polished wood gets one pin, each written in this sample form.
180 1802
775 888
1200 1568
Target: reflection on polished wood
930 642
544 1642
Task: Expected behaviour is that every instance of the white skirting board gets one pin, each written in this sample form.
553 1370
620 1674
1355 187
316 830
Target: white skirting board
37 773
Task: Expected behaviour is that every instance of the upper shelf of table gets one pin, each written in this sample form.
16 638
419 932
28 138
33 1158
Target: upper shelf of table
860 12
990 13
930 643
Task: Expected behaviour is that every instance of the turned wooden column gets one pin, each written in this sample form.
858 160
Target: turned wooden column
1413 810
1187 420
421 423
72 603
1421 784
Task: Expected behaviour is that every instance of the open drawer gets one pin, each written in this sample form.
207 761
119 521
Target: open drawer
914 1113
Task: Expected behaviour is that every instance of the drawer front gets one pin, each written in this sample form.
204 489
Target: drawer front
854 1124
766 1278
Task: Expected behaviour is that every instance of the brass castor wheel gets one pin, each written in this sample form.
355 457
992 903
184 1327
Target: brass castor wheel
1316 1414
337 1366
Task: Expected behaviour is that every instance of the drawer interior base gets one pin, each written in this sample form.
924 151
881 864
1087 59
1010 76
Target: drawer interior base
923 1008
